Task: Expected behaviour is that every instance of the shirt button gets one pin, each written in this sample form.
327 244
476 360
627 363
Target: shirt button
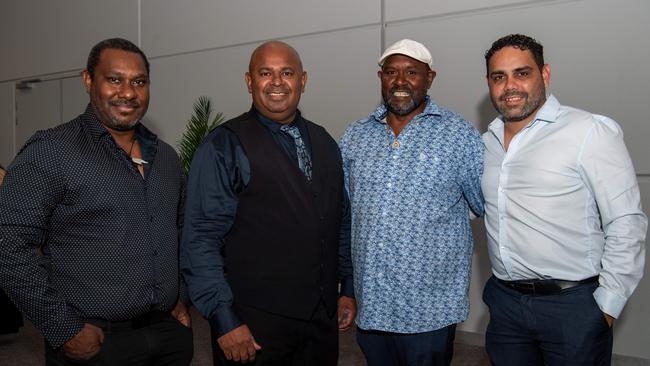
389 185
395 157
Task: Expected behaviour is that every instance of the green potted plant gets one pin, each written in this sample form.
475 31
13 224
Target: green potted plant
198 126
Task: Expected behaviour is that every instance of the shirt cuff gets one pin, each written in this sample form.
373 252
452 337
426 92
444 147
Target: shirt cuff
347 288
57 334
609 302
224 320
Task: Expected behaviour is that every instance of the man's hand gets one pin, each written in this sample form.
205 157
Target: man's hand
85 344
182 315
347 311
610 319
239 345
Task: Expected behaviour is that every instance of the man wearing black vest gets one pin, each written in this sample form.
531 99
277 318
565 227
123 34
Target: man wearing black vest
266 238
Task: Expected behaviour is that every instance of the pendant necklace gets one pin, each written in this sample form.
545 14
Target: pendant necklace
138 161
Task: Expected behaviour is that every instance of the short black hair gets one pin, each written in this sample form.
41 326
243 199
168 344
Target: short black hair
115 43
521 42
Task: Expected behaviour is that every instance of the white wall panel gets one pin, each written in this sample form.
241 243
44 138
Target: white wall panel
403 9
342 84
170 26
595 50
74 98
6 123
40 37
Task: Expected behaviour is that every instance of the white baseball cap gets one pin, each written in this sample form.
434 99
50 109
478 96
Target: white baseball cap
410 48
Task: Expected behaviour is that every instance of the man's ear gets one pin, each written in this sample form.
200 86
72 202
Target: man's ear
546 75
430 76
249 82
303 82
88 81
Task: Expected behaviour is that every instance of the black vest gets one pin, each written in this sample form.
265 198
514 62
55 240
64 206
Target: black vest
281 254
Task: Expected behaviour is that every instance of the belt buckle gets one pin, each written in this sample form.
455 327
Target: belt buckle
547 288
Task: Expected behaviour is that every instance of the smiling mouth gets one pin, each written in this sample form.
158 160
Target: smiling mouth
277 95
401 94
513 99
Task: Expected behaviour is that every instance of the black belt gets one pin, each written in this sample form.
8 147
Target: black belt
144 320
544 287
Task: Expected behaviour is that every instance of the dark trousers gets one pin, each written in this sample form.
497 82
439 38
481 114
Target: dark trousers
567 328
166 342
10 318
287 341
435 348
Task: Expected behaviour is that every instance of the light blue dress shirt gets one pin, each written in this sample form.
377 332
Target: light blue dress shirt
411 237
563 203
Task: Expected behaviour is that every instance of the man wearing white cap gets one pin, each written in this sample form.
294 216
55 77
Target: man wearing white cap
412 169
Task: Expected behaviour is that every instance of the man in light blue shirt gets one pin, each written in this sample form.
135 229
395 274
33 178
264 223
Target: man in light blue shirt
412 170
566 232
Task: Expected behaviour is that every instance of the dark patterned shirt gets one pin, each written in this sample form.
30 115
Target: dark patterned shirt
109 237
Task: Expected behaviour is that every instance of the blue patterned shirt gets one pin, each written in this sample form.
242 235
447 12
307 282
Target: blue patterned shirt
411 237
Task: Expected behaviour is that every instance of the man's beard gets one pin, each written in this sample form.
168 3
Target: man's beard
530 106
404 109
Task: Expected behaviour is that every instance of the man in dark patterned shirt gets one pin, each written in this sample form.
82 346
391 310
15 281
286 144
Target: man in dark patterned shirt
102 198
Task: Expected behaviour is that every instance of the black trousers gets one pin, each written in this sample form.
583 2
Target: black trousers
287 341
10 318
567 328
165 342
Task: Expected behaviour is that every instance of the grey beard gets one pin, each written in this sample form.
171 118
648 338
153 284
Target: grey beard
403 111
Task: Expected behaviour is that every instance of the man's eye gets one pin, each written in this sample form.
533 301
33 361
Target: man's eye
287 73
265 74
389 72
140 82
113 80
496 78
523 74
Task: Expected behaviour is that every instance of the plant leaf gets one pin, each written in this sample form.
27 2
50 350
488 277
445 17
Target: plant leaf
198 126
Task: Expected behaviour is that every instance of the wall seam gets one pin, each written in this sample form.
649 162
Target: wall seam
255 42
479 11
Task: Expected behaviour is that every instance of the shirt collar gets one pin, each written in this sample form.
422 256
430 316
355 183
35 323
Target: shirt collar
547 113
273 125
431 108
